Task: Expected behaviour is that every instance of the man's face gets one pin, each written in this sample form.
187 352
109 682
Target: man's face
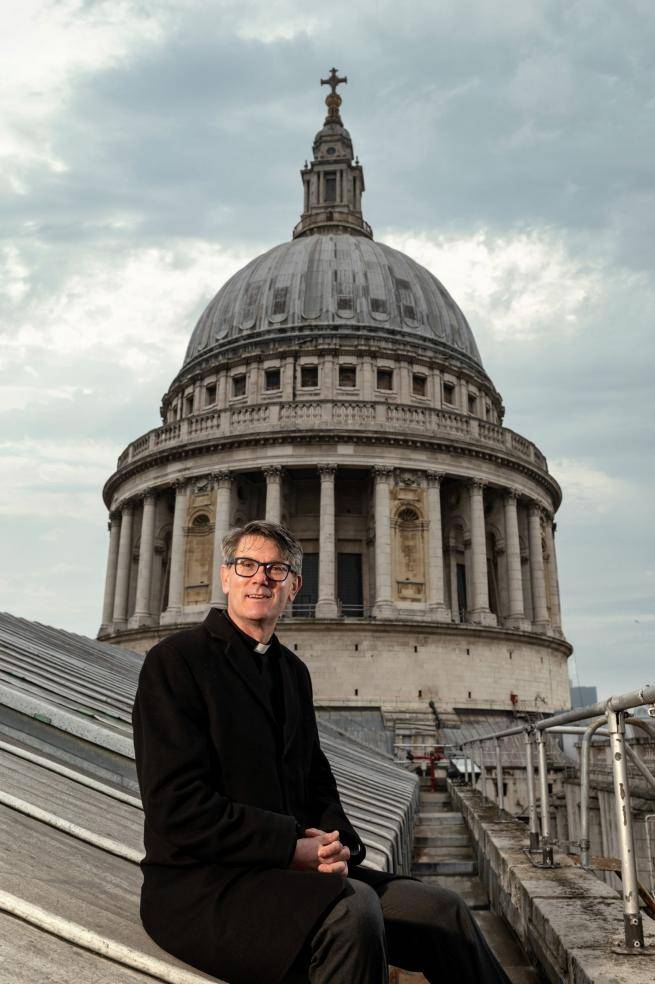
257 599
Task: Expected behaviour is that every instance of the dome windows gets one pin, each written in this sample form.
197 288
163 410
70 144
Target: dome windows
406 298
344 292
280 295
309 377
384 379
210 394
271 380
347 376
279 298
239 384
449 393
419 384
253 295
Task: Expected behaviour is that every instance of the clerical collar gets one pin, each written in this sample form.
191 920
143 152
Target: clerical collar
257 647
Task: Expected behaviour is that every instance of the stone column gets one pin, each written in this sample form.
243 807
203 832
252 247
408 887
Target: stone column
326 606
178 542
367 378
273 493
436 385
516 614
436 602
537 575
114 527
288 381
454 595
404 388
463 395
223 486
328 376
198 401
480 602
221 390
383 607
555 606
123 567
142 614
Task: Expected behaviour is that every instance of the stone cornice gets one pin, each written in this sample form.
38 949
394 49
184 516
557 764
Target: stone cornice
336 626
183 452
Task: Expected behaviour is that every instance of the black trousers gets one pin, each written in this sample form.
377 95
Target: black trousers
405 923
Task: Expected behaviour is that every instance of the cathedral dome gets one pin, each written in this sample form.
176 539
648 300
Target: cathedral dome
333 385
337 281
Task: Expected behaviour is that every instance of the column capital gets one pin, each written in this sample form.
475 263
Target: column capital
143 495
273 473
476 485
127 504
114 517
536 509
221 479
383 473
434 478
180 484
327 472
512 493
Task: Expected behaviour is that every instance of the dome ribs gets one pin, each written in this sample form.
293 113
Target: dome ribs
339 281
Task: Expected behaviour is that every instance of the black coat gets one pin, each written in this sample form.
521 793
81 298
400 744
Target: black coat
221 800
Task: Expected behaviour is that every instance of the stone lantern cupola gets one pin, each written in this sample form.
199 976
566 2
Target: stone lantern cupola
332 184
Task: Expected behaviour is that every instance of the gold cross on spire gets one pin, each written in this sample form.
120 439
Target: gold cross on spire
333 100
333 81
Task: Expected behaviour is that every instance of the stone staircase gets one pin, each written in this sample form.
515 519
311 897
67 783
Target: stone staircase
443 856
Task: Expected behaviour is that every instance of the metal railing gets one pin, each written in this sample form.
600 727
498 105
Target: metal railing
612 715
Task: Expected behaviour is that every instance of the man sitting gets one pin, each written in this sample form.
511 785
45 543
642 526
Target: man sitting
252 870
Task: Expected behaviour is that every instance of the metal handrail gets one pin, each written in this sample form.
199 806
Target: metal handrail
612 714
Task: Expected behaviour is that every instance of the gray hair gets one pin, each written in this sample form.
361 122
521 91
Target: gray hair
289 546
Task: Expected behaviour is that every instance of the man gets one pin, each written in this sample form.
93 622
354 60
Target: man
252 870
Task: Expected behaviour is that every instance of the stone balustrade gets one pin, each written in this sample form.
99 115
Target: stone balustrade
323 414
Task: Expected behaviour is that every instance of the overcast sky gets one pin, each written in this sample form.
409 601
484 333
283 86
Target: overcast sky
149 150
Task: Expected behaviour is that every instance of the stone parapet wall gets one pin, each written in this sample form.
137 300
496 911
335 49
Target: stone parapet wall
466 667
566 919
363 663
379 418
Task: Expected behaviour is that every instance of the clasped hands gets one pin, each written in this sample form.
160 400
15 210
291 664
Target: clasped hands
321 851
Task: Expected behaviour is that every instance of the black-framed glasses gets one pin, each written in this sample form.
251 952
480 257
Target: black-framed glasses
275 570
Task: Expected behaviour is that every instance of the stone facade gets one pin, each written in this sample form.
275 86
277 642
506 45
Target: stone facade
335 386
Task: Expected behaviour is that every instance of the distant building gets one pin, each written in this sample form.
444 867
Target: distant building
583 696
334 384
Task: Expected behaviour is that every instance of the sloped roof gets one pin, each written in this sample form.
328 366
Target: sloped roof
71 818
